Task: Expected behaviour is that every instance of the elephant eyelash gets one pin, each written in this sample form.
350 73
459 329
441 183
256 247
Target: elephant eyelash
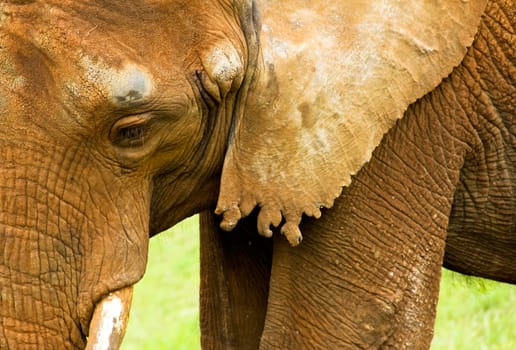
133 136
130 132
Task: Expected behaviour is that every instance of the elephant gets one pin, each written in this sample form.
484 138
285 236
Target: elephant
376 137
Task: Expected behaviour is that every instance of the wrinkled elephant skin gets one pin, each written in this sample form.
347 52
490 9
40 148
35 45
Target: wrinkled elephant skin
115 116
390 124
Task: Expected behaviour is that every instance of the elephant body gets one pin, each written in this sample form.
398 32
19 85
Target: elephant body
122 118
438 190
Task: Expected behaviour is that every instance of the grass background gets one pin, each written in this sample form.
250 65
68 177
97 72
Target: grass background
472 314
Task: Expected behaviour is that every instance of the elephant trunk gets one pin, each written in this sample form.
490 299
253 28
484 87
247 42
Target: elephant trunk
39 272
107 327
64 245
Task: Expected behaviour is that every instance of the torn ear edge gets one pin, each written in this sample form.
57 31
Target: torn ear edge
255 174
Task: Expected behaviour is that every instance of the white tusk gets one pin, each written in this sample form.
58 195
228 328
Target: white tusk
109 321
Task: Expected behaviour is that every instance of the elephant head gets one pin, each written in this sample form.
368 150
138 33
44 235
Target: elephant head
116 117
122 118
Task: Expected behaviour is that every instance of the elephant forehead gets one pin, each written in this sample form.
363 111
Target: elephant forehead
29 73
123 84
24 73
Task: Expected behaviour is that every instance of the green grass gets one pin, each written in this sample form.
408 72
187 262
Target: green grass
165 302
475 314
472 314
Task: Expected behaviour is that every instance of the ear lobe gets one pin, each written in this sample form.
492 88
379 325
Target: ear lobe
224 68
331 80
227 63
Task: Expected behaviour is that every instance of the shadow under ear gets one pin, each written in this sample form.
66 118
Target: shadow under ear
235 273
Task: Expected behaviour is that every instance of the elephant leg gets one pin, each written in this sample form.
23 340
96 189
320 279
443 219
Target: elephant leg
366 275
235 272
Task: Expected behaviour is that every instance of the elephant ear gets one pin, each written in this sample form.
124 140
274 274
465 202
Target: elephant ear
332 78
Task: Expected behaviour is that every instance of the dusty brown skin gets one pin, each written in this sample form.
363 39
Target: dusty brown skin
122 118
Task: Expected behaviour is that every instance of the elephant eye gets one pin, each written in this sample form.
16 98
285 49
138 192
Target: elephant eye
130 132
